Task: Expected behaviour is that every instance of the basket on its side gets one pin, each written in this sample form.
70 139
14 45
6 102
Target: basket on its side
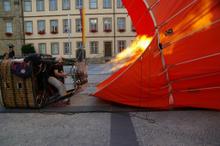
18 92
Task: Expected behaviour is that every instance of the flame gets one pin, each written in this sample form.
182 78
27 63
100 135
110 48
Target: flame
204 21
131 53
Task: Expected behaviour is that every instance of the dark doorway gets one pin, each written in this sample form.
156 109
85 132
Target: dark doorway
108 50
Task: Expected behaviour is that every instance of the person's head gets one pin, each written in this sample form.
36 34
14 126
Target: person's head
59 60
5 56
11 46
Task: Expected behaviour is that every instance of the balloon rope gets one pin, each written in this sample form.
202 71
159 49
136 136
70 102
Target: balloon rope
178 13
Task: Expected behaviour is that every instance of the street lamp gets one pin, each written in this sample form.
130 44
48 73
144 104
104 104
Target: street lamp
69 23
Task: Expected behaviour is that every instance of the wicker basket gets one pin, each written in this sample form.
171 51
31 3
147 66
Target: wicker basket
18 92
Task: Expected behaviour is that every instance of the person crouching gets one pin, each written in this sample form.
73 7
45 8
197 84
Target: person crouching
56 76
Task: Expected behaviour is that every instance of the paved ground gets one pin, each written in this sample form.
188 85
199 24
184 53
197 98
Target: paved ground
167 128
89 121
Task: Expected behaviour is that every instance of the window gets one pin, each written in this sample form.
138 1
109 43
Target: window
121 24
121 46
42 48
66 25
93 4
79 4
9 27
41 26
93 27
66 4
28 27
107 4
78 25
119 4
107 24
67 48
55 48
54 26
27 5
40 5
53 5
94 47
79 45
7 5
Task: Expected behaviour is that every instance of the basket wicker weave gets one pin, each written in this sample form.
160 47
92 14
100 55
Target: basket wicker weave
17 92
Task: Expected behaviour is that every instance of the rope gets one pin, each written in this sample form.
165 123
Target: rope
198 89
153 5
196 59
177 13
171 98
193 32
196 77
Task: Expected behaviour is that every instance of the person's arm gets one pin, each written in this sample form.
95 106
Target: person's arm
59 74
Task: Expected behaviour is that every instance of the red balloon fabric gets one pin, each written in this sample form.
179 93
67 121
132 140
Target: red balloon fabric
181 66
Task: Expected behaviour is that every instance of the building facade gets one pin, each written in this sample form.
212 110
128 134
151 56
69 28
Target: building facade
54 27
11 30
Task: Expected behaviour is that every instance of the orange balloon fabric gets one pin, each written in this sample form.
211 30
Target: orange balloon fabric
181 66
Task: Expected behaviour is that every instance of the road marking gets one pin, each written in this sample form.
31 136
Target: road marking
122 130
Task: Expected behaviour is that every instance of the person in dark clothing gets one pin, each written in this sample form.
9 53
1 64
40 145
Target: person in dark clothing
34 58
11 51
36 61
80 54
56 72
55 69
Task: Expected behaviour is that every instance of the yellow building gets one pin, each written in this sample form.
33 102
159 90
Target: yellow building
11 30
108 28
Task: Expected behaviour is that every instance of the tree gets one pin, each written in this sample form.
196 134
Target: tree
27 49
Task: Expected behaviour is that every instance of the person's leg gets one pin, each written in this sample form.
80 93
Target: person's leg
80 67
84 72
57 84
